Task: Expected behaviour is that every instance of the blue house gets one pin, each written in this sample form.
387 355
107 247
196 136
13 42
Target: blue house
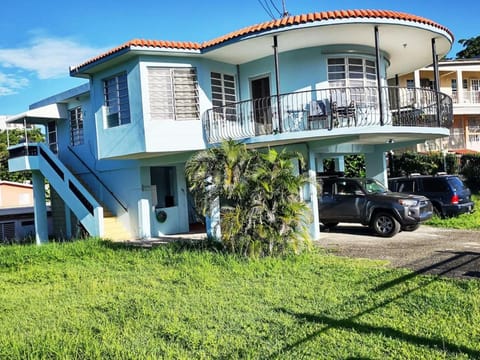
316 83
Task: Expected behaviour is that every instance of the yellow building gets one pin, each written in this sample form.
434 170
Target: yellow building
460 79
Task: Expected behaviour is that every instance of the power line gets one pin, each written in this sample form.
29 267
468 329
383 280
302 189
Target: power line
275 7
267 9
266 6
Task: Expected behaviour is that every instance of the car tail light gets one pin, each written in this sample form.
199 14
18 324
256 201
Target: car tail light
454 199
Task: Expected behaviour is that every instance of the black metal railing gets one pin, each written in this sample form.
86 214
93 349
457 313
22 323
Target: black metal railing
97 178
327 109
21 151
36 150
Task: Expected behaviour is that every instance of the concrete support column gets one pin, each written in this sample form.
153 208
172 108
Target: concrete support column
213 221
183 225
312 200
144 231
340 163
460 87
40 208
376 166
416 78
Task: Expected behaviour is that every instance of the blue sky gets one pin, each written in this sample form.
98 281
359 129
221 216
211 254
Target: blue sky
39 40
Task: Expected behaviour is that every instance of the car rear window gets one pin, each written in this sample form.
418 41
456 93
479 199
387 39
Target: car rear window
434 185
456 183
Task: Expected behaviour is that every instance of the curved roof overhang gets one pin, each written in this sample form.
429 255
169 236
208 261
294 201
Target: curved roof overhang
398 41
401 36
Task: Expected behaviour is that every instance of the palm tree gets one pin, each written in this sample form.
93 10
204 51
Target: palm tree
281 215
216 173
259 194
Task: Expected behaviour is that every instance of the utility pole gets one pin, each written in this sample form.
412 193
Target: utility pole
285 12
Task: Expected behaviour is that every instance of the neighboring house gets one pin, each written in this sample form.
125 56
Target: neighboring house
460 79
16 211
315 83
14 194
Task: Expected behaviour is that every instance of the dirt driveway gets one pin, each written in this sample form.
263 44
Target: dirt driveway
428 250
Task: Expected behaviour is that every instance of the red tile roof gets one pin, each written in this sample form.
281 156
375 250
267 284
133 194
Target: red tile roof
269 25
463 151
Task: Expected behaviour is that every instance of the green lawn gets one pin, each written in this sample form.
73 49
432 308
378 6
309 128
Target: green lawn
100 301
464 221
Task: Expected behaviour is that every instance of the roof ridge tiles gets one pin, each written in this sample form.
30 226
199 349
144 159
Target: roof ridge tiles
266 26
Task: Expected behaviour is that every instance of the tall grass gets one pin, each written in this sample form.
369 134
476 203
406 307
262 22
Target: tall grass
97 300
463 221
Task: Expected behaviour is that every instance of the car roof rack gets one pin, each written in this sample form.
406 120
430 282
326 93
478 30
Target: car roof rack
330 174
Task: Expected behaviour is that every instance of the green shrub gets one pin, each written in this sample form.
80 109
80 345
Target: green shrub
261 212
470 169
427 164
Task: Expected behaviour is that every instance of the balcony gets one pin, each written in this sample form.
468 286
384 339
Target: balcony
327 110
468 97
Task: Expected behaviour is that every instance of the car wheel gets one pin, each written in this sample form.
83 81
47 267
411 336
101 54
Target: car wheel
385 225
411 227
330 225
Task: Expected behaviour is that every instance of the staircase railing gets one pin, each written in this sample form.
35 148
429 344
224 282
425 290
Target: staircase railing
124 207
37 156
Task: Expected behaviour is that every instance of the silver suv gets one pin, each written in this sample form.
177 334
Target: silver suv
368 202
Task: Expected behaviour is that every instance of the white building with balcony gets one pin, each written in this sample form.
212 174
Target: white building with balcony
459 79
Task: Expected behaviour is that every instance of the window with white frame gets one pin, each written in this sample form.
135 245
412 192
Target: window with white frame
115 91
355 77
173 93
52 136
76 126
224 95
351 72
410 84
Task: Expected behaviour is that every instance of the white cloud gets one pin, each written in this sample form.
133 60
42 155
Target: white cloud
47 57
10 84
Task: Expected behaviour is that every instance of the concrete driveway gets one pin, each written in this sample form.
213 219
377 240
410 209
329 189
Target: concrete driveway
428 250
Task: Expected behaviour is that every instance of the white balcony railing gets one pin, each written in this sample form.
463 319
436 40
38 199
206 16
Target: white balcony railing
468 97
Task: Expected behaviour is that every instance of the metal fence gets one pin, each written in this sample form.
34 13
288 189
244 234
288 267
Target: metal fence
328 109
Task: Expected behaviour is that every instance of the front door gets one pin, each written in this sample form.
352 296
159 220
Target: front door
262 112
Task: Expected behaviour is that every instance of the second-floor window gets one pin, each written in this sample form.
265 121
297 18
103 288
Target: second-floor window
76 126
355 80
224 95
115 91
173 93
351 72
52 136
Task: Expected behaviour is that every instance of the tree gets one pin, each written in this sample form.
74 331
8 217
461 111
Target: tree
260 206
471 48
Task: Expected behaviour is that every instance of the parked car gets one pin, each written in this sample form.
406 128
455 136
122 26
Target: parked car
368 202
448 193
